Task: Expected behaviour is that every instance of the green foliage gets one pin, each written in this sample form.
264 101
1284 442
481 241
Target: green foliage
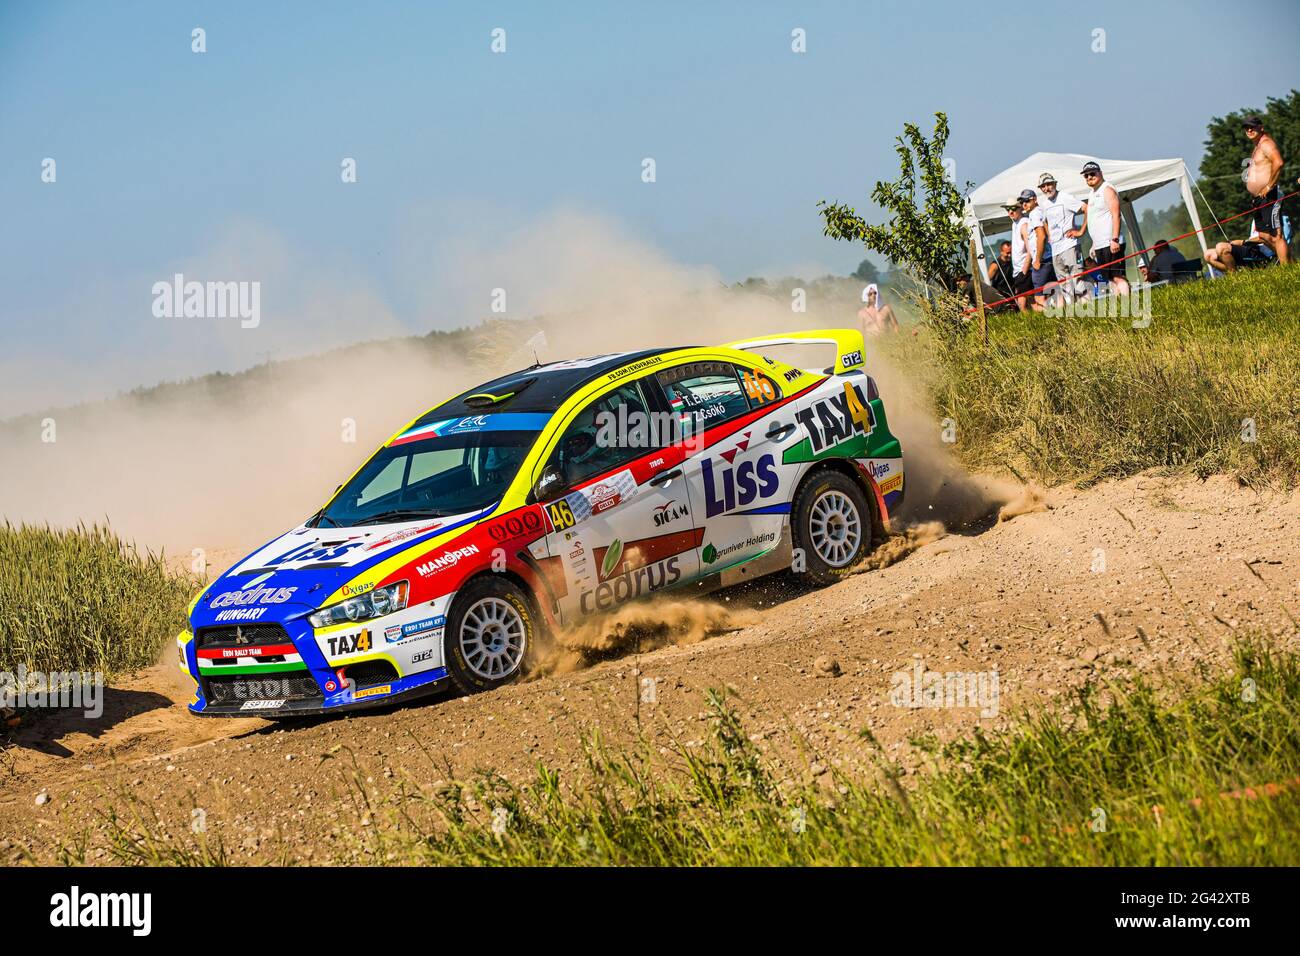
84 600
925 232
866 272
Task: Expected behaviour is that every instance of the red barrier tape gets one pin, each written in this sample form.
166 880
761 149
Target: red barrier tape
1220 222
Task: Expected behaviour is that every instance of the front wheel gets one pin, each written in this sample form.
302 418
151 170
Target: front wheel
831 525
490 631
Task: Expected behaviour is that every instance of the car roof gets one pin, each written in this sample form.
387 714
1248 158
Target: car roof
541 388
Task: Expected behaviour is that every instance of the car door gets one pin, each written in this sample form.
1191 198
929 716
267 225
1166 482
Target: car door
732 466
621 525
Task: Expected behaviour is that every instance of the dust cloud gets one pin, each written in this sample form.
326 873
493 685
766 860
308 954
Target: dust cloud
633 628
226 462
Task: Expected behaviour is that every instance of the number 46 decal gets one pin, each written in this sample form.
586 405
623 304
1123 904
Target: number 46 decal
758 387
561 515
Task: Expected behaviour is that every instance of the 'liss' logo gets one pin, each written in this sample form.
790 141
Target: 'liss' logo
729 487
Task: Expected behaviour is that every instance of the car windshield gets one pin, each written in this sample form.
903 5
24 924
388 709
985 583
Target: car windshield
433 471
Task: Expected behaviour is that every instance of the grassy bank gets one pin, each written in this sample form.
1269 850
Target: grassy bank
1143 781
1081 399
84 600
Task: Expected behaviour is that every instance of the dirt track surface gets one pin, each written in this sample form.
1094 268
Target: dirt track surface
1188 566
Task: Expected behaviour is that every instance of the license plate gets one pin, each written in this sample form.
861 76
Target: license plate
262 705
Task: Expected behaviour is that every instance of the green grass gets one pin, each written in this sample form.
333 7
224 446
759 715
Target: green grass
84 600
1027 796
1083 399
1075 786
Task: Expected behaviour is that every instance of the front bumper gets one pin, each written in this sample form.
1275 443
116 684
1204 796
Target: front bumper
420 685
276 669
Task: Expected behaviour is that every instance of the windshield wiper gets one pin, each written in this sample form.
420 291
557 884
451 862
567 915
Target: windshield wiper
398 513
315 520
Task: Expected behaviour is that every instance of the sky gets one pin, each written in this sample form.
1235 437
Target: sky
226 165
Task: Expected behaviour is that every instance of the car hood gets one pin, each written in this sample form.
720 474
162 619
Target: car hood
293 574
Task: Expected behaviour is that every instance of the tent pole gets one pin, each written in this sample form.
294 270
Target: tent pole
977 280
1126 212
1184 186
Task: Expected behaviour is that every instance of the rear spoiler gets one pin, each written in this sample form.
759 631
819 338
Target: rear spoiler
849 346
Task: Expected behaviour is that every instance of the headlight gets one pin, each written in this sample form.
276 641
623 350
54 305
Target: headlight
374 603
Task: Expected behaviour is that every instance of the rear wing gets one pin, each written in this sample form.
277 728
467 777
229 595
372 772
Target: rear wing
849 346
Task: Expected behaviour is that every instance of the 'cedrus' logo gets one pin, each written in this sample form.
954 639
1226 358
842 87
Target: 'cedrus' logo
728 486
448 559
631 585
254 596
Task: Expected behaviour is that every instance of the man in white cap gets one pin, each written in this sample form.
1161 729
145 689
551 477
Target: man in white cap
1037 245
1101 220
1059 209
1020 283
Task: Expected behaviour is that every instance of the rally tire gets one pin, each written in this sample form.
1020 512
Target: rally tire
831 524
490 636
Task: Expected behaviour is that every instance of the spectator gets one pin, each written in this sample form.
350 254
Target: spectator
1020 280
1038 246
1161 268
1092 275
1101 220
876 317
1059 209
1001 270
1229 256
1262 177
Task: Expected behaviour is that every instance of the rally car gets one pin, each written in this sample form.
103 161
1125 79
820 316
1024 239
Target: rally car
555 492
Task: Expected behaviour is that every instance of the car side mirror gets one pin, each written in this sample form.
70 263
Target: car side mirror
550 483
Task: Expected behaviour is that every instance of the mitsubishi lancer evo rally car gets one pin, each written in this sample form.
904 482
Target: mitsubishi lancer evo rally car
539 498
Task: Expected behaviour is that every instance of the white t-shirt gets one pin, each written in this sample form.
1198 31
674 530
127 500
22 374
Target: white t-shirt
1100 222
1017 246
1060 217
1036 219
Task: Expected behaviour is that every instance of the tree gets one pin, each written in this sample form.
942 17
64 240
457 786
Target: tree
866 272
1226 147
925 232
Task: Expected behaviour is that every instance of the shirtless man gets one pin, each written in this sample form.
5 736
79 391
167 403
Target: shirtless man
1262 177
876 317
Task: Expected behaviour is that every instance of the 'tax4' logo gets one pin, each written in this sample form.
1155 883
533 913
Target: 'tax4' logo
349 643
838 418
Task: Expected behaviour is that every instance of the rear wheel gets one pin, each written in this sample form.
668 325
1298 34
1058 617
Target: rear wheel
490 632
831 525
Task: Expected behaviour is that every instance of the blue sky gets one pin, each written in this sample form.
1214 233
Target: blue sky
230 160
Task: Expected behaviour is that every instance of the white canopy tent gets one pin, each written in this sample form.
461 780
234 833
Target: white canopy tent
1130 177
